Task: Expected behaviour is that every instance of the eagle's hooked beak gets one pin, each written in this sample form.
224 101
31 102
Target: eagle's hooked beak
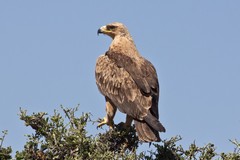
103 30
99 31
106 31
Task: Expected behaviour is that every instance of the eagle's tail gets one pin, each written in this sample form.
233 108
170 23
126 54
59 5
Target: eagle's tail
146 133
154 122
148 130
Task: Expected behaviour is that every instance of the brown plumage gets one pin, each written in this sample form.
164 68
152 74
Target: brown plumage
129 83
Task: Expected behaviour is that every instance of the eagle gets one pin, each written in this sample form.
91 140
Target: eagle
129 83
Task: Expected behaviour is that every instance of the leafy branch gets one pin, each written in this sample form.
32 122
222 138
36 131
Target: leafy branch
63 136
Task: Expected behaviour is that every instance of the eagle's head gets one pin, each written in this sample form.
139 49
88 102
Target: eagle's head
113 30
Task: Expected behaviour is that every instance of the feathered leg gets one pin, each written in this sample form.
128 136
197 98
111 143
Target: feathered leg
128 122
108 119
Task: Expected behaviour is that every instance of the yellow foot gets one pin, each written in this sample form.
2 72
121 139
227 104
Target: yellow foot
102 122
105 121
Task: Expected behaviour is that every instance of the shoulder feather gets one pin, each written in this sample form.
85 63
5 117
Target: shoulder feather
141 70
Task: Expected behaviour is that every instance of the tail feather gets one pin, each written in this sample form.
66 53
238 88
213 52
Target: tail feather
148 129
154 122
146 133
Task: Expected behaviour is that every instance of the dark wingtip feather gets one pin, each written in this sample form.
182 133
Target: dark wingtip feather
154 123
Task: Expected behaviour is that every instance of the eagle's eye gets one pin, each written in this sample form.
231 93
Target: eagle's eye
111 27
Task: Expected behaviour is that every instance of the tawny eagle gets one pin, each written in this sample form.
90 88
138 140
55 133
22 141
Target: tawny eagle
129 83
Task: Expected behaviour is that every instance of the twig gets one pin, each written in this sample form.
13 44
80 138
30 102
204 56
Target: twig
2 139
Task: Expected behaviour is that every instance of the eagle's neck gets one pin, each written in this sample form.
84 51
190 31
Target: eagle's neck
124 45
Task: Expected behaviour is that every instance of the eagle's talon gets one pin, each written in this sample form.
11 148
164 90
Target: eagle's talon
105 121
101 122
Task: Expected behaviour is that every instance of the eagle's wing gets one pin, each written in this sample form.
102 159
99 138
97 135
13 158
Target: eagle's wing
117 84
144 75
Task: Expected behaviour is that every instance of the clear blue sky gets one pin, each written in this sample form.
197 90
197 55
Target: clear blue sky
48 51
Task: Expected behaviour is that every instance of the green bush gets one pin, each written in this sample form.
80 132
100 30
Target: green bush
64 137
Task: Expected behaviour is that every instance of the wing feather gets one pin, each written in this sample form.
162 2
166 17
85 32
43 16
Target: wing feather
121 88
144 75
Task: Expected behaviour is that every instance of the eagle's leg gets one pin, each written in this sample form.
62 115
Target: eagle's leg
108 119
128 122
